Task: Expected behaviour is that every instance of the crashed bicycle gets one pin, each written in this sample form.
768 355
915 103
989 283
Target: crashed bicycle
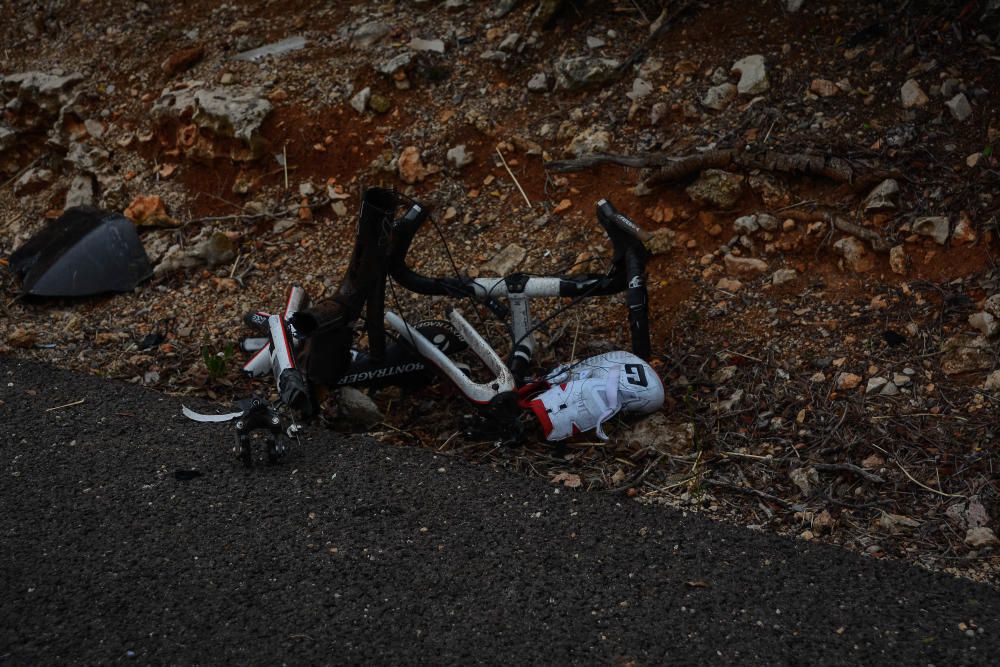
311 348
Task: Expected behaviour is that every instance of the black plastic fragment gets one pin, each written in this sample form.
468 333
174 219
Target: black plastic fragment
84 252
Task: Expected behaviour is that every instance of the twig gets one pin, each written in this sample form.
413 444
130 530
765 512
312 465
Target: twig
750 491
925 487
638 480
519 188
257 216
848 467
21 172
284 162
65 405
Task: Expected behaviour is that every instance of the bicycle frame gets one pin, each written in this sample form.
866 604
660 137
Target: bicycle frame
319 340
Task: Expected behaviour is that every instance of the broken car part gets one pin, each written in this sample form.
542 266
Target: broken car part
84 252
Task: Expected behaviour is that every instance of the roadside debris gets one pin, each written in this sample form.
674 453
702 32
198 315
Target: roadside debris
82 253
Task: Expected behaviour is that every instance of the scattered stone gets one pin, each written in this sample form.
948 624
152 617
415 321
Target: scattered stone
746 224
959 107
509 43
149 210
992 381
661 241
720 97
717 188
936 227
771 190
847 381
824 87
594 42
396 63
898 260
985 324
805 478
854 254
370 32
964 231
729 285
793 6
183 60
434 45
883 196
890 389
875 384
992 306
538 83
504 262
897 523
960 354
81 191
217 113
592 140
980 537
210 248
912 95
458 156
380 104
768 222
753 75
411 168
286 45
360 101
355 406
782 276
581 71
48 91
33 180
972 160
744 266
657 433
640 88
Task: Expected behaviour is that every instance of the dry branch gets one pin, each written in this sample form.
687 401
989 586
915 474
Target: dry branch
874 239
670 168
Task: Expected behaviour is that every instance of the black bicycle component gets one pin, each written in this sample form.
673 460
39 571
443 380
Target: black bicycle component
631 255
259 414
498 420
402 365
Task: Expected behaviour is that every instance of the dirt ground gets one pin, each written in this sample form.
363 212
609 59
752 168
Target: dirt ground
839 387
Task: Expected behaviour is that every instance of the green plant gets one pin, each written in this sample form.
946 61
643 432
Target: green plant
217 362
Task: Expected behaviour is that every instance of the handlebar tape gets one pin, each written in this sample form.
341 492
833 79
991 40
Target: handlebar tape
630 255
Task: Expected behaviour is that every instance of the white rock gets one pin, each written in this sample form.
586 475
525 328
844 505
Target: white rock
768 222
538 83
746 224
719 97
959 107
640 88
992 305
890 389
854 253
992 381
356 406
360 101
985 323
81 191
978 538
753 75
592 140
793 6
458 156
504 262
594 42
744 266
875 384
435 45
882 196
782 276
912 95
936 227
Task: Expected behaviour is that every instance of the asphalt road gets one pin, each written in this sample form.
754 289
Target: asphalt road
356 552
